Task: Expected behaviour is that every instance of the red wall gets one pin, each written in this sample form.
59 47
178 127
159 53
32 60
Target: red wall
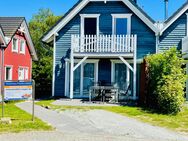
17 60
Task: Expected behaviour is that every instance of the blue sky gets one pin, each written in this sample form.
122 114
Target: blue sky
26 8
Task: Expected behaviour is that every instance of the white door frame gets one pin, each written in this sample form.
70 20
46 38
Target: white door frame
96 63
83 16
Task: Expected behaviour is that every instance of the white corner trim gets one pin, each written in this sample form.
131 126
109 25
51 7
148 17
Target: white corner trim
187 25
83 16
54 60
174 19
83 3
127 16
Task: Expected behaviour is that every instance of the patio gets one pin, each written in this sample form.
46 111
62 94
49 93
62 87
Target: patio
80 102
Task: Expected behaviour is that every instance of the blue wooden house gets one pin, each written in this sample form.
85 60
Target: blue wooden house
100 41
174 33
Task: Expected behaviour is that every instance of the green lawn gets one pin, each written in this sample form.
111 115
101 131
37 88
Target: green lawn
175 122
21 121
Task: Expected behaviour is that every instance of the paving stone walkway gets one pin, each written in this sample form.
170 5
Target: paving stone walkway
94 125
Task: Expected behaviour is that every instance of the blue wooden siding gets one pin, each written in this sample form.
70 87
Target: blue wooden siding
172 36
146 37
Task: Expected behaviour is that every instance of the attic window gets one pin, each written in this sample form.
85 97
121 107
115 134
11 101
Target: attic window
14 45
22 46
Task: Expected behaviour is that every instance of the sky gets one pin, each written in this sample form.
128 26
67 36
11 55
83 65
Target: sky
27 8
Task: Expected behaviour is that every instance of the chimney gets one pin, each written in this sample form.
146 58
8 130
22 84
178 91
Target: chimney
166 9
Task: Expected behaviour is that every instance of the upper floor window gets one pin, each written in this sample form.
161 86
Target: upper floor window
8 73
15 45
22 46
121 24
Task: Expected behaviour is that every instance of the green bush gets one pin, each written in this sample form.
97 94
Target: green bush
166 81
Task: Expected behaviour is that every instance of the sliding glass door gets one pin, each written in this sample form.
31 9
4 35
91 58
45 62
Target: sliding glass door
84 77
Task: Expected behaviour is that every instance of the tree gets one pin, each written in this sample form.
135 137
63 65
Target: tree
42 69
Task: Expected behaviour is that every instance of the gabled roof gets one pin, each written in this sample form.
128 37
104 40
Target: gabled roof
2 38
10 25
48 36
175 16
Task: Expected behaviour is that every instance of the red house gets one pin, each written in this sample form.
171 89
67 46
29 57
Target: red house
19 52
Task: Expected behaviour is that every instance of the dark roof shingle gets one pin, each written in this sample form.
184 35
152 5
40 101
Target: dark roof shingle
10 25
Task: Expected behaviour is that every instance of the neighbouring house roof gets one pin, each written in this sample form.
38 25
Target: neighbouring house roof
48 36
175 16
2 38
10 25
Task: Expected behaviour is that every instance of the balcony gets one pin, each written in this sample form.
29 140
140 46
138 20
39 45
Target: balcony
104 45
185 47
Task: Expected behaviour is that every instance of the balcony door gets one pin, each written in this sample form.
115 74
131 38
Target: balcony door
89 24
121 24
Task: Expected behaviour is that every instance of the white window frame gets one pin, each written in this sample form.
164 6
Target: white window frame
24 72
15 50
8 66
83 16
123 16
23 51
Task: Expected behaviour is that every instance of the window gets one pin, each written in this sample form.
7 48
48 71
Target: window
8 73
121 24
26 73
15 45
22 46
23 73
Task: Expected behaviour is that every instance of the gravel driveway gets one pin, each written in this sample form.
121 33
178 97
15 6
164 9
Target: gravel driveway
94 125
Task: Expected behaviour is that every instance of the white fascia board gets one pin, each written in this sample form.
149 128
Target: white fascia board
57 28
3 38
83 3
174 19
141 16
29 41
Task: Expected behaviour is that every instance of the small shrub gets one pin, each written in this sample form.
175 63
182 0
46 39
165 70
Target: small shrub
166 81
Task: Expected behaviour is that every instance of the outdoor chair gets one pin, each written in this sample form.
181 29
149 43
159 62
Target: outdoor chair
125 93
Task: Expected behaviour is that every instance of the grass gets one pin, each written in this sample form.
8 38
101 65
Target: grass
177 122
21 121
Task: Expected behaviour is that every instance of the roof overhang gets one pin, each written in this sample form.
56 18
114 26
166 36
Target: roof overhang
49 36
172 19
29 41
2 39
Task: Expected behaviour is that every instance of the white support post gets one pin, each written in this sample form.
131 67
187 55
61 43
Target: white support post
128 77
54 60
81 79
134 66
74 68
66 77
126 63
187 82
71 71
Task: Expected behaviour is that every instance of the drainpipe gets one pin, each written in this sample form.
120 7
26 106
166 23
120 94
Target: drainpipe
2 78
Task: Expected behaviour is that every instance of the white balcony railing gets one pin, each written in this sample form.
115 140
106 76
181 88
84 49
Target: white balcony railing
103 43
185 45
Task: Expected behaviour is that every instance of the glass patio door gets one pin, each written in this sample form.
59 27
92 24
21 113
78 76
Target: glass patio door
88 77
84 77
120 76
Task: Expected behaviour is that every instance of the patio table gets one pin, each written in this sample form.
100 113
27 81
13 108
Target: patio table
103 89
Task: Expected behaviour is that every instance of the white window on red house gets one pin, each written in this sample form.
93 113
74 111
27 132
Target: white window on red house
22 46
15 45
26 74
23 73
8 73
